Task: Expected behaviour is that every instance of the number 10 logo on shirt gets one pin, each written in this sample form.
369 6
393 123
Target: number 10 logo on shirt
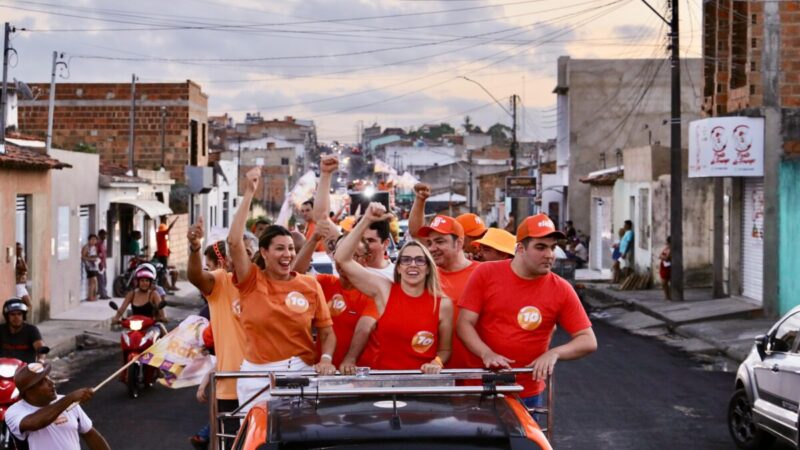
529 318
337 305
296 302
422 341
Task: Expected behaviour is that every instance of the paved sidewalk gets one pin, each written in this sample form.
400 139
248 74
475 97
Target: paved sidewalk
65 331
726 326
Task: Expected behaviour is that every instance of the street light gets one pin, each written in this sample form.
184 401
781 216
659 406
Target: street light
513 150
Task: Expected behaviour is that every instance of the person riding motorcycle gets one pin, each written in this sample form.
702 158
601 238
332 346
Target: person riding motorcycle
145 299
19 339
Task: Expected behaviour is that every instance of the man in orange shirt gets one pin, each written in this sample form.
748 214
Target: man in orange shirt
162 249
444 238
474 228
510 308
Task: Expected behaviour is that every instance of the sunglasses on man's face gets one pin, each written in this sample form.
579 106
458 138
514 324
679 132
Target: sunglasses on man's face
417 260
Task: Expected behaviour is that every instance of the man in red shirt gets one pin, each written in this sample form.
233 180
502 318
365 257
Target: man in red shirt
510 308
162 248
444 237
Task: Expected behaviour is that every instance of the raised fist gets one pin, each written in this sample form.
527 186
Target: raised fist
422 191
195 233
253 176
329 164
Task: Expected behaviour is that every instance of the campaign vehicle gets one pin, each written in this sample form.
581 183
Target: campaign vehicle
764 406
458 409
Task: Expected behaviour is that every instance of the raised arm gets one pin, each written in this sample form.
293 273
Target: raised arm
367 282
241 263
48 414
416 218
200 278
324 231
322 201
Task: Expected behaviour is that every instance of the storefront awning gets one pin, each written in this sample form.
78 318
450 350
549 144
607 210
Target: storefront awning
152 208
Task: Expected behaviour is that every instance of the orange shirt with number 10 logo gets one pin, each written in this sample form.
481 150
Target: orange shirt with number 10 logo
277 316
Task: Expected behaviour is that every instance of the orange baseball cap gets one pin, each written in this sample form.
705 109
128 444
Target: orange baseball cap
444 225
472 224
500 240
538 226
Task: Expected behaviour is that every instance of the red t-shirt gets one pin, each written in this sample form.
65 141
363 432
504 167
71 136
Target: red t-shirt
453 284
346 307
407 334
517 316
162 240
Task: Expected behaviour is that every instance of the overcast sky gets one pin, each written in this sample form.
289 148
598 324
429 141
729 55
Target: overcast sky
345 62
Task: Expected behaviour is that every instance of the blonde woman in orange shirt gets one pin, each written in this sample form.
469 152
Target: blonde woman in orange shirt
279 307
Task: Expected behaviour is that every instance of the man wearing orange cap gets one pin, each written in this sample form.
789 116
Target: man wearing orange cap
510 309
474 228
444 237
495 245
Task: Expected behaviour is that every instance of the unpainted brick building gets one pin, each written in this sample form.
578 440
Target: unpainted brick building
98 115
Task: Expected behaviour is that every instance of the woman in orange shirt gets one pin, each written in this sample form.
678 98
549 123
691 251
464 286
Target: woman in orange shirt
415 327
278 306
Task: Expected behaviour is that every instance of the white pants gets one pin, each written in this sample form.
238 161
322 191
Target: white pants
248 387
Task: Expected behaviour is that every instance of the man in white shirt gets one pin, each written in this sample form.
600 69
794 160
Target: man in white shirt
49 421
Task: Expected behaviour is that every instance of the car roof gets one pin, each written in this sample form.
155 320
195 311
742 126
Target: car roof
349 419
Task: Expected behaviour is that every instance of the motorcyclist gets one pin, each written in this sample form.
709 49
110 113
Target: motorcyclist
19 339
145 299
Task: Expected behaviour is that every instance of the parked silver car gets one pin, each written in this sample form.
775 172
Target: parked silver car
764 406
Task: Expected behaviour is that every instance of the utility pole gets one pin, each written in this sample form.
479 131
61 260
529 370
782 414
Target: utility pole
514 201
163 137
469 161
238 163
132 129
51 106
676 164
676 156
4 95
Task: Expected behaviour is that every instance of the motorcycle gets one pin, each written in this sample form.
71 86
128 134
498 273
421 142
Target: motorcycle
124 282
138 334
10 395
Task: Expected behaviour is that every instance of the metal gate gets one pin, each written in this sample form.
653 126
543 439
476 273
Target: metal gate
753 238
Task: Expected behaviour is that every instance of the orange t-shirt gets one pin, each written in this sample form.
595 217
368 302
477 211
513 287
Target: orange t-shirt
277 316
229 337
346 307
162 240
310 227
453 284
407 333
516 317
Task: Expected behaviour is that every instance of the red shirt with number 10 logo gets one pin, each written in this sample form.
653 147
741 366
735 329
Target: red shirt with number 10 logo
407 334
517 317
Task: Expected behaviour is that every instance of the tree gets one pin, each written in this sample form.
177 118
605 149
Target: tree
500 133
468 126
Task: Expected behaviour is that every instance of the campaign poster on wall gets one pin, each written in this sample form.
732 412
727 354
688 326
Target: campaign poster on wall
726 147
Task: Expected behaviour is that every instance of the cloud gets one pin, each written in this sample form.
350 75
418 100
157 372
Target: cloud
499 46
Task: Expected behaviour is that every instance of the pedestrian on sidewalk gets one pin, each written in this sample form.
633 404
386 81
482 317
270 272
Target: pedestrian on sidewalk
665 269
101 273
163 251
22 287
47 420
91 264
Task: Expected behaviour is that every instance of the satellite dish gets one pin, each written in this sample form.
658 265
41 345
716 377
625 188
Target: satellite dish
23 90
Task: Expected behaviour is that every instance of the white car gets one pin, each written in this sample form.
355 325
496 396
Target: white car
764 406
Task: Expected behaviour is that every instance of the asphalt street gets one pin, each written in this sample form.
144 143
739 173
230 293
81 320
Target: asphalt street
633 393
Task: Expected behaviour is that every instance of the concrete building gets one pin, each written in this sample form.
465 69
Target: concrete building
74 215
752 54
605 106
98 115
25 188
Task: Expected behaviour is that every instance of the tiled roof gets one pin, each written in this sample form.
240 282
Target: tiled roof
603 179
113 173
20 158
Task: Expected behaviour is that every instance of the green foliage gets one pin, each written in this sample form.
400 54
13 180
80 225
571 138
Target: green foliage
501 134
85 148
